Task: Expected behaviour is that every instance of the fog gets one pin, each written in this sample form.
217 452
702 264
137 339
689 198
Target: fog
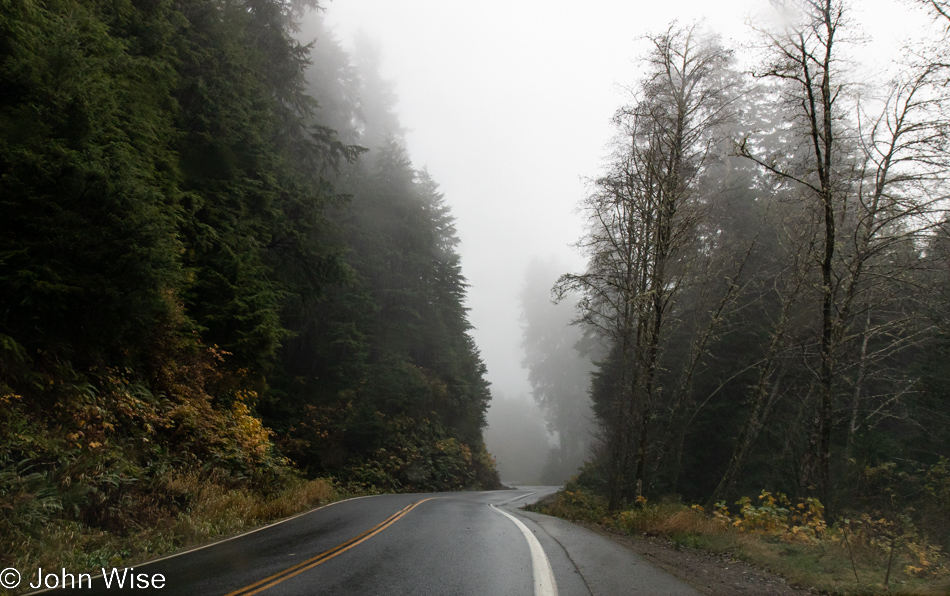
516 437
508 106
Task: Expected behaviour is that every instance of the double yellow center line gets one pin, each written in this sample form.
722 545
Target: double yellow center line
270 582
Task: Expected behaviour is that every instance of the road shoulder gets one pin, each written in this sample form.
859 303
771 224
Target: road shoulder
713 574
608 567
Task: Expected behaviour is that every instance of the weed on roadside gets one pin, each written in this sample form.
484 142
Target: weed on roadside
860 556
209 510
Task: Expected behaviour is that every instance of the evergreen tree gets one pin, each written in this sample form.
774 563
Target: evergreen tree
89 251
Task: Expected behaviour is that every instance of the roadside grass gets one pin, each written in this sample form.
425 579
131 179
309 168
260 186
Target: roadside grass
855 557
210 510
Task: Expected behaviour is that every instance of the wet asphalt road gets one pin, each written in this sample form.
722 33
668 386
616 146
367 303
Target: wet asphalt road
446 543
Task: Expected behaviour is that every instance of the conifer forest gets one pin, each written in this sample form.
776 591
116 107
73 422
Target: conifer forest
221 273
217 262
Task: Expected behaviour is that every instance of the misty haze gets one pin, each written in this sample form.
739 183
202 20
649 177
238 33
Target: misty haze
523 297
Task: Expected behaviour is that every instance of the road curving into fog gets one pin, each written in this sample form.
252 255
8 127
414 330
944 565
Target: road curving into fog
477 543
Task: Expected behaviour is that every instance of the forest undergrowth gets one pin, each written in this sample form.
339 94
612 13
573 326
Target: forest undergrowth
867 553
210 509
113 474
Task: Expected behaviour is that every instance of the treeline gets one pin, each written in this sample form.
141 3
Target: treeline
217 260
557 356
768 276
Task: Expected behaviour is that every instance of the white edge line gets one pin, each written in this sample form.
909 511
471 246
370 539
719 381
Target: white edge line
518 498
222 541
544 584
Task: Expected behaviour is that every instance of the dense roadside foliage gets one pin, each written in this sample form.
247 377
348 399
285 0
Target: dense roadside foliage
207 275
792 538
767 276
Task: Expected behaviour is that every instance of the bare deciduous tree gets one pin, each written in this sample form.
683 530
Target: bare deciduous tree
872 179
643 216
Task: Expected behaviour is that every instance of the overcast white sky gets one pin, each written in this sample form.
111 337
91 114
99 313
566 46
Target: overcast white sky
508 103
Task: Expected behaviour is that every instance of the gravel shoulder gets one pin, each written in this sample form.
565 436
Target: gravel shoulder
714 574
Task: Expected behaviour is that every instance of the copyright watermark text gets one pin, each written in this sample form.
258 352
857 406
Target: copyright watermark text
126 577
9 578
